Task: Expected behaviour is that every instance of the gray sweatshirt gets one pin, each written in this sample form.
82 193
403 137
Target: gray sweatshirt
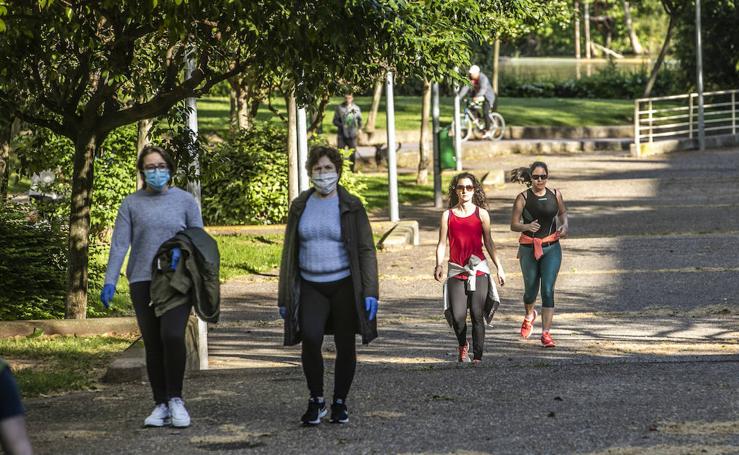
323 257
145 220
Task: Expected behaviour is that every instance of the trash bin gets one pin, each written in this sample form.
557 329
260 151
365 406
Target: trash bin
446 148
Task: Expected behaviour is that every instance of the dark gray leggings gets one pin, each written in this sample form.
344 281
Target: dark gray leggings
321 305
164 340
459 300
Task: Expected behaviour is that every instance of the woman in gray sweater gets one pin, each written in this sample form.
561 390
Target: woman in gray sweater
146 219
328 281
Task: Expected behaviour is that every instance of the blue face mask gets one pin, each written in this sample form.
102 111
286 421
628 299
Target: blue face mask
156 179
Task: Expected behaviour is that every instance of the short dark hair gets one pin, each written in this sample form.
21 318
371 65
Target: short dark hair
148 150
333 154
536 164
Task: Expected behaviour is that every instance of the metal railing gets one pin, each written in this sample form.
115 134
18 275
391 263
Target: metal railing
675 117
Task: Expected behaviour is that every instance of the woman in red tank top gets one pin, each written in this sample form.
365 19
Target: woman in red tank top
466 227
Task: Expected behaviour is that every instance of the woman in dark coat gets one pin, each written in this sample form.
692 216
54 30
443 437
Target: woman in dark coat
328 280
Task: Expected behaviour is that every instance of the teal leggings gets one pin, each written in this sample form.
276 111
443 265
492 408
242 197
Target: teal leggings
543 271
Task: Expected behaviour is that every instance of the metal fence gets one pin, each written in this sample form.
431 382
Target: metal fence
675 117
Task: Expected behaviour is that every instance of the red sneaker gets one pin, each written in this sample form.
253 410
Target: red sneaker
528 326
464 352
546 340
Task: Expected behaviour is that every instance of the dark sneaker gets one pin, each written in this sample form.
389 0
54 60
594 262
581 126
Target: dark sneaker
339 413
316 411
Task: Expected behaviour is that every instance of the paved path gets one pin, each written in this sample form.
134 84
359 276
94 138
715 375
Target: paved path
647 328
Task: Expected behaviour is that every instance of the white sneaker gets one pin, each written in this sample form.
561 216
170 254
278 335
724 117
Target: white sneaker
180 417
159 416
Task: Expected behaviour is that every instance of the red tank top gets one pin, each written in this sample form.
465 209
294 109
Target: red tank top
465 239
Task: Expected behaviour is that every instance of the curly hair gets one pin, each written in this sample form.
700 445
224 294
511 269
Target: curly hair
331 153
478 198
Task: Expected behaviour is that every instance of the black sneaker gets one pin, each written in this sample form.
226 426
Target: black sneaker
338 412
316 410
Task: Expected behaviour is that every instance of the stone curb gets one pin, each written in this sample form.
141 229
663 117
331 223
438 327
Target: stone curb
485 150
404 234
378 227
512 132
678 145
78 327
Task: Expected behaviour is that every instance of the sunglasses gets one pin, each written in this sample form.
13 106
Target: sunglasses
539 177
465 187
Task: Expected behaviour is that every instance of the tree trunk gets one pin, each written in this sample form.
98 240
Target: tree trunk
635 45
586 23
12 130
4 165
424 148
142 140
316 122
240 107
660 59
372 118
293 188
496 65
79 226
576 18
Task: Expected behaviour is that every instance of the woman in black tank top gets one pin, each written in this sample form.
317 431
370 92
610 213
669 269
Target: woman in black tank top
540 215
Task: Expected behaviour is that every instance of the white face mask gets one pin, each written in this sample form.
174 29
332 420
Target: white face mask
325 183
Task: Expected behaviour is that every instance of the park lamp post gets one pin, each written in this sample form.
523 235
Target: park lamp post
699 76
193 186
303 181
392 162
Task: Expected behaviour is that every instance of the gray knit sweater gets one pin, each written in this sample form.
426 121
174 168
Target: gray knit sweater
145 220
322 257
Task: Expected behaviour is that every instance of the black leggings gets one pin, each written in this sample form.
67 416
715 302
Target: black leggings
164 340
319 304
459 300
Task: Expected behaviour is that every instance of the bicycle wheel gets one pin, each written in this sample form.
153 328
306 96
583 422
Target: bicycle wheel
467 130
498 126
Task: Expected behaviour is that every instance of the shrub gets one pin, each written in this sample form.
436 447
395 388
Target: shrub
115 178
244 179
606 83
33 264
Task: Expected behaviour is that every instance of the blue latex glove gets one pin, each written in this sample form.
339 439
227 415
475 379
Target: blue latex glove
283 312
370 306
106 295
176 253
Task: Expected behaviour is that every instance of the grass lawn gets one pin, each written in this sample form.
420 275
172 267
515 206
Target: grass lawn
53 364
16 186
408 192
213 112
248 254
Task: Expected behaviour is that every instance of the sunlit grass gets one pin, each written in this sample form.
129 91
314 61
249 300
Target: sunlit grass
248 254
213 112
50 364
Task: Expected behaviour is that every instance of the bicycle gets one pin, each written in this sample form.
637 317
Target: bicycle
473 126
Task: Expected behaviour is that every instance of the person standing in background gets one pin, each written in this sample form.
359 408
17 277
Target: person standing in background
348 122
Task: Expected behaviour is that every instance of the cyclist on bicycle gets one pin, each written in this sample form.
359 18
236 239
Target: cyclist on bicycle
483 93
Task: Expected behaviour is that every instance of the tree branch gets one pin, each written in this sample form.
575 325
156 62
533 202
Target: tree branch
53 125
162 102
